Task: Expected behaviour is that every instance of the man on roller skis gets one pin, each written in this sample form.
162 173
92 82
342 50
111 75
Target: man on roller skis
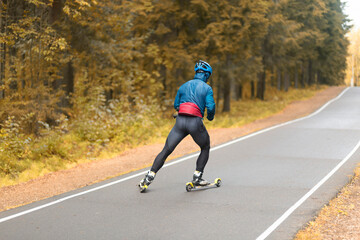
191 100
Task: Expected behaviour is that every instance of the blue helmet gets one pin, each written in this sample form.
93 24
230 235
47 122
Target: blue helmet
204 66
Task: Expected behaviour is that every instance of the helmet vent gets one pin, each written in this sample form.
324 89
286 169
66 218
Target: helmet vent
204 66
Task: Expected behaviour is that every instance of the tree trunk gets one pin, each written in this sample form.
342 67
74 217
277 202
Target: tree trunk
226 94
310 74
252 83
163 77
320 78
13 85
296 77
286 81
109 95
55 11
303 75
272 80
239 92
227 85
279 79
68 83
260 93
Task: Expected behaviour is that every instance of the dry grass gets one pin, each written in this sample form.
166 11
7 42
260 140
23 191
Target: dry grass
340 218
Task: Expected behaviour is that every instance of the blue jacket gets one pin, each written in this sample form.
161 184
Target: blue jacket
198 92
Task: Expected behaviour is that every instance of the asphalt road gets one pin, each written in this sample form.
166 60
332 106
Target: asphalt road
274 181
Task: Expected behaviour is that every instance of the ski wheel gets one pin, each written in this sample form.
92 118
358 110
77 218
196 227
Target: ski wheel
218 182
143 189
188 187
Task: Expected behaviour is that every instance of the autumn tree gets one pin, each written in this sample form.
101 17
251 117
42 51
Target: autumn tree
232 38
333 51
31 51
279 47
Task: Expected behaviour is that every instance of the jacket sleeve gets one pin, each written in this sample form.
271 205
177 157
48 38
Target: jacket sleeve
177 101
210 104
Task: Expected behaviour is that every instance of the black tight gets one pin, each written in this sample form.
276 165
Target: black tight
185 125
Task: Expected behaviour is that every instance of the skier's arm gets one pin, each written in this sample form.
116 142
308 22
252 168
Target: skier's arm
210 105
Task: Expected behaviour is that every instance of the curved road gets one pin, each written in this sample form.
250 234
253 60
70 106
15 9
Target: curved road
274 181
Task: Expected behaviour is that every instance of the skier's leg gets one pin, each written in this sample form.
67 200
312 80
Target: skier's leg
202 138
174 138
177 133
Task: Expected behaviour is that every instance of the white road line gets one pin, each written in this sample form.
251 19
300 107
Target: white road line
176 162
306 196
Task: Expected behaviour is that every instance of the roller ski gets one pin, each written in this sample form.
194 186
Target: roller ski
144 183
199 183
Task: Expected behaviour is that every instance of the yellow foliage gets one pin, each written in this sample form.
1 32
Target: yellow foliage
201 3
353 59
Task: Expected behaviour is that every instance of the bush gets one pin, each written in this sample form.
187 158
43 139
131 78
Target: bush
14 146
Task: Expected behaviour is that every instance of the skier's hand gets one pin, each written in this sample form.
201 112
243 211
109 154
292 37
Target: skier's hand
175 114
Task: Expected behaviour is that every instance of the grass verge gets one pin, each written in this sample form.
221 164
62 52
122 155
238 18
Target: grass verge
337 219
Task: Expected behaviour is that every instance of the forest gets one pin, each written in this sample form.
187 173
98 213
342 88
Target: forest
104 71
